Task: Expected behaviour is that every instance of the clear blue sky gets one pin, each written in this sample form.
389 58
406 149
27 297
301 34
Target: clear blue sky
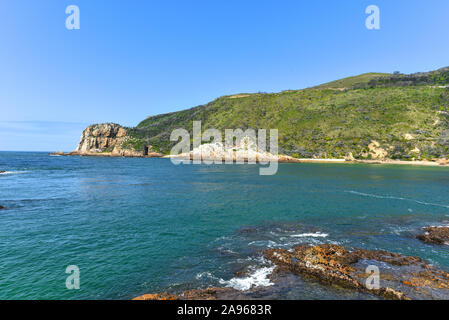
132 59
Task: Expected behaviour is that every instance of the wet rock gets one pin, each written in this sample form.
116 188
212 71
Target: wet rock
210 294
405 278
157 296
435 235
2 208
400 277
196 294
388 257
2 171
331 264
57 153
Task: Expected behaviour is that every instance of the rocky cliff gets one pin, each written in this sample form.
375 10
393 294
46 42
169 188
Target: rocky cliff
110 139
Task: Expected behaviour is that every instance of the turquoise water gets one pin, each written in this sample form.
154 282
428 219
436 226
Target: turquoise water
135 226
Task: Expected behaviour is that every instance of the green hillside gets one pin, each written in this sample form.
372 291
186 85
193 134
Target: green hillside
406 115
352 81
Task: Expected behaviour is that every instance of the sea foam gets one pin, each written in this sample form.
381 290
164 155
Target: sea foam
11 172
313 235
259 278
396 198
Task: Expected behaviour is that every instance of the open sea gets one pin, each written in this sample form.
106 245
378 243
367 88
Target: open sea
136 226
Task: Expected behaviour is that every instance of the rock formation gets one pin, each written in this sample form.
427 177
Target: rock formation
110 139
401 277
195 294
435 235
246 150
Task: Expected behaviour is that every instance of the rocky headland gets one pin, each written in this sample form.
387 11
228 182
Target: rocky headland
357 119
110 139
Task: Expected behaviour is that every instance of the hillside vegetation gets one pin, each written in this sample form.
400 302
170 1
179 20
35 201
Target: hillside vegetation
369 116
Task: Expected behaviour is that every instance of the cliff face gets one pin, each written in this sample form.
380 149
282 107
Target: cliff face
108 139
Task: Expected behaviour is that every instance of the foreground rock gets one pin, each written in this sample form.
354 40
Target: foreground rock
401 277
435 235
200 294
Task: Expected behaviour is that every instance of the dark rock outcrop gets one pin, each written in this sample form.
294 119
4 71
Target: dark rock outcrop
196 294
435 235
157 296
400 277
335 265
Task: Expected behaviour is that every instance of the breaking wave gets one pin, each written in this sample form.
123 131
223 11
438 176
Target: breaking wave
259 278
313 235
11 172
397 198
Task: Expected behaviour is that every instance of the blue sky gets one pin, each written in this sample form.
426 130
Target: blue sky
132 59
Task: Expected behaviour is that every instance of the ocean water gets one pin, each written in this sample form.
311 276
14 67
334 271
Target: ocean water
136 226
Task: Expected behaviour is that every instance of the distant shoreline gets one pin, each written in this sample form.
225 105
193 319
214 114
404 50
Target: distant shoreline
281 159
438 163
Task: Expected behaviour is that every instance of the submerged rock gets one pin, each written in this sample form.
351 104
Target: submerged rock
401 277
2 208
435 235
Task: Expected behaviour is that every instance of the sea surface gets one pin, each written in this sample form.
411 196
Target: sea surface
135 226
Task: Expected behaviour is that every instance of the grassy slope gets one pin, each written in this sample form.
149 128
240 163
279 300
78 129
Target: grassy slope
351 81
325 122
